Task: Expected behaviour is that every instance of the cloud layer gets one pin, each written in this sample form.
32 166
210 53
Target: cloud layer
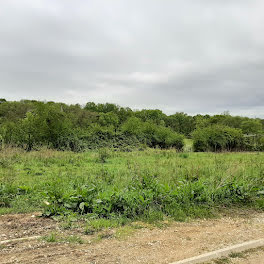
195 56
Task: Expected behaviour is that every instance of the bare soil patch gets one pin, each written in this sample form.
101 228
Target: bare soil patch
155 245
253 256
256 257
24 225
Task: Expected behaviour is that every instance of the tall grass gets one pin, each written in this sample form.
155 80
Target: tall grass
150 184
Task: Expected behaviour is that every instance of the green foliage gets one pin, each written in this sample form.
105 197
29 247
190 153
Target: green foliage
145 197
109 120
74 239
164 137
31 125
261 143
251 126
181 123
51 238
96 225
218 138
133 126
154 116
144 185
58 238
103 155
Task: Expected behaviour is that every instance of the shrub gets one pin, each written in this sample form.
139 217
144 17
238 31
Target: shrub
261 144
162 137
103 155
254 142
218 138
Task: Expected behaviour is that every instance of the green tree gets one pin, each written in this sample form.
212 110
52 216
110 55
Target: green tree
181 123
133 126
30 130
156 116
251 126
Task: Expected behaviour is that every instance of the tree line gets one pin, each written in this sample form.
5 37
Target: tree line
31 124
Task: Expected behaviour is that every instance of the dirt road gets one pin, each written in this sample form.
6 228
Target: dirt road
146 245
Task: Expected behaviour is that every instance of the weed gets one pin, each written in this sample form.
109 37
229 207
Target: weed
222 261
66 225
74 239
184 155
96 225
105 235
150 185
103 155
2 247
57 238
237 255
51 238
125 232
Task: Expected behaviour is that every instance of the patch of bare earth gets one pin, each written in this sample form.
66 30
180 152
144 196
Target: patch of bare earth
255 257
176 242
24 225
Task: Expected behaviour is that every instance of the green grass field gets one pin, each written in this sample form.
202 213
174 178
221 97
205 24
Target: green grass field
150 184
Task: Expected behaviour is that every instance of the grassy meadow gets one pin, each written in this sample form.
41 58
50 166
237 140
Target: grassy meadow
148 185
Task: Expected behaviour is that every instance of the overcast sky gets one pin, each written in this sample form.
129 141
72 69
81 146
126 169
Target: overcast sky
193 56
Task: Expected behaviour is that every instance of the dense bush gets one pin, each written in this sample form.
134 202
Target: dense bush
33 124
218 138
154 135
261 144
254 142
164 137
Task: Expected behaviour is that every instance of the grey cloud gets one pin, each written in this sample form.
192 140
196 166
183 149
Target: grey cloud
194 56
